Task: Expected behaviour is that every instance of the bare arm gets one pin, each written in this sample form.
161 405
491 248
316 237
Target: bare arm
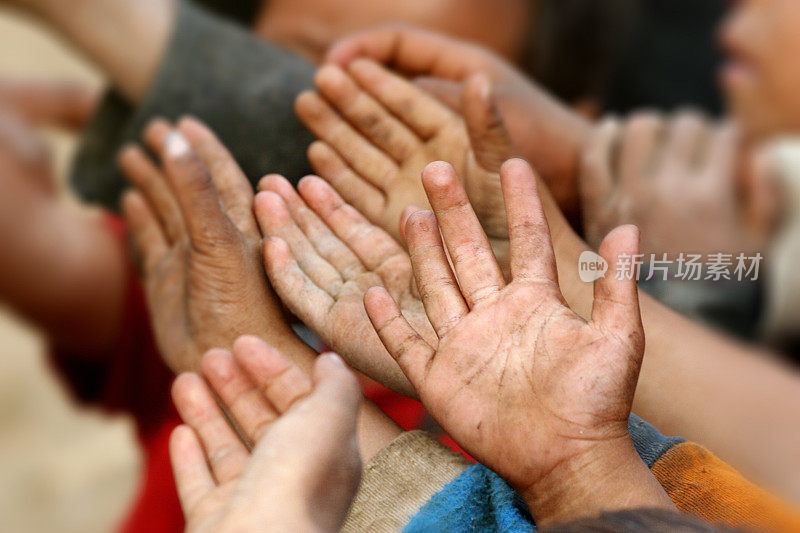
125 39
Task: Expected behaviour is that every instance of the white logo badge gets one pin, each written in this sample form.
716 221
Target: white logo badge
591 267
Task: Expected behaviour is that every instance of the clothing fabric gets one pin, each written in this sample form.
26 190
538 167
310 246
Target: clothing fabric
241 86
698 483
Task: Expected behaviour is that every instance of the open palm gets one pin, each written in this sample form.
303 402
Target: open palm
517 378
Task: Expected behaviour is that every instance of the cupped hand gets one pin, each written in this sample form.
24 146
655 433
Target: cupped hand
321 256
548 134
670 176
192 222
304 468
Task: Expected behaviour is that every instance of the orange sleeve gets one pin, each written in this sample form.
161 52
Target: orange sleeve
701 484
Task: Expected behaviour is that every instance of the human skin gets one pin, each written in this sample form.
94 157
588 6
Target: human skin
670 175
519 380
761 78
192 223
43 272
552 142
126 40
304 468
694 382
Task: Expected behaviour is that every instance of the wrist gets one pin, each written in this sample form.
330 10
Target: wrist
609 476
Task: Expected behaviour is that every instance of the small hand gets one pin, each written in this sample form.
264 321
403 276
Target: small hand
547 132
192 222
670 177
517 378
378 131
321 257
304 468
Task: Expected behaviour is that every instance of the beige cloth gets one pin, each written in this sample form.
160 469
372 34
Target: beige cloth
399 480
782 313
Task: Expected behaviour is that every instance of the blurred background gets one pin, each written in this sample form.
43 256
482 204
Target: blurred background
63 467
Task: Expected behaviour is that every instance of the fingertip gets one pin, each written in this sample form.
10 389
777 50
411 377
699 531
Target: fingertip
176 146
330 78
405 215
217 363
438 175
306 105
250 342
185 390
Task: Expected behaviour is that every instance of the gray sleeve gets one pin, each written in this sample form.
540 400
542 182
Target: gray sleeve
241 86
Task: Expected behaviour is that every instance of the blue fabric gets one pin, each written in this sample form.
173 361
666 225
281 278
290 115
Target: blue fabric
479 500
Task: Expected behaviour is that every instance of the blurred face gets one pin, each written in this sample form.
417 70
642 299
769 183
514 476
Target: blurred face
762 76
311 26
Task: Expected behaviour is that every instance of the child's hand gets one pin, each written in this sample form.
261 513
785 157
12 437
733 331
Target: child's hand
670 176
193 224
321 257
546 131
304 469
378 131
518 379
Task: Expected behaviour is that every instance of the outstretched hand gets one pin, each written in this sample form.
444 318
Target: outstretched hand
321 257
548 134
304 469
193 224
518 379
378 131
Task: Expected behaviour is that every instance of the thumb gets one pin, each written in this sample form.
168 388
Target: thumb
488 135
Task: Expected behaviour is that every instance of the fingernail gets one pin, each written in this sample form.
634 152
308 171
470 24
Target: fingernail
176 145
334 358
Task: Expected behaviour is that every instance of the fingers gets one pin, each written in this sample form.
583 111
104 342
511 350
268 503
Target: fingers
359 153
489 138
195 193
300 294
276 221
596 177
532 255
335 386
616 297
476 268
437 286
147 234
281 381
243 400
234 189
373 247
721 160
687 137
411 51
145 176
638 144
357 191
405 345
192 476
420 111
365 114
58 103
226 454
327 245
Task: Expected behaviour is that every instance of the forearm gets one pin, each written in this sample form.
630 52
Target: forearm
739 402
65 271
126 39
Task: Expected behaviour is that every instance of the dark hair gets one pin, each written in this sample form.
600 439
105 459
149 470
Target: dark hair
575 44
638 521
